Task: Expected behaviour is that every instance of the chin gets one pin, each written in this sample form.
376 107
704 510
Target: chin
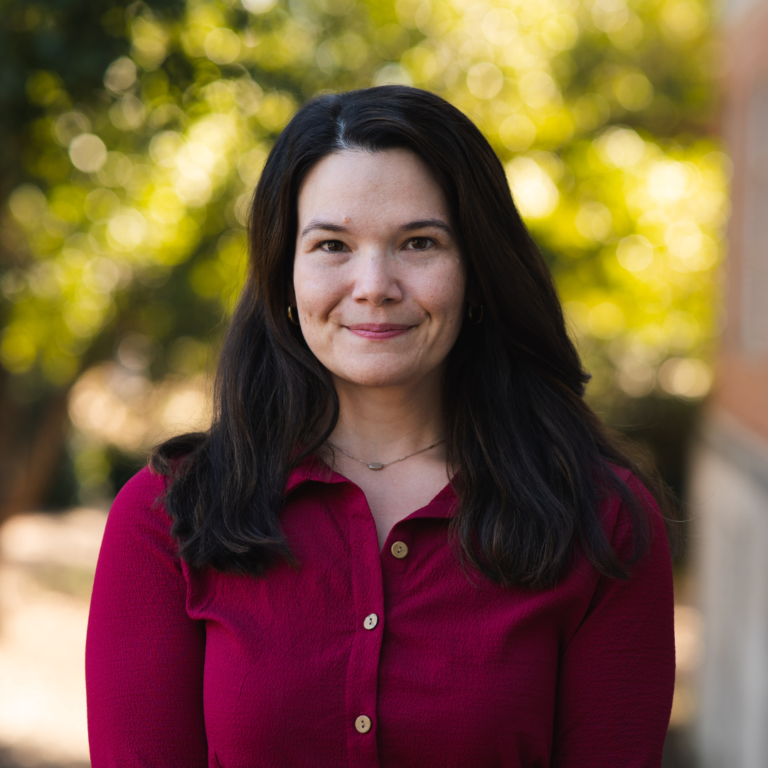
375 378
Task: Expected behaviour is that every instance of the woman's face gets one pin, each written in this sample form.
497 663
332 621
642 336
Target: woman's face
378 278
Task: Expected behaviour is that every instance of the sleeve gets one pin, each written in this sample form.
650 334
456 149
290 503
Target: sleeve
617 673
144 655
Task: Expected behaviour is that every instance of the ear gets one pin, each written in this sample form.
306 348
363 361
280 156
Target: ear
472 297
291 294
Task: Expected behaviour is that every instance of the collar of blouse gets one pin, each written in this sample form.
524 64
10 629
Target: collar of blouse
312 469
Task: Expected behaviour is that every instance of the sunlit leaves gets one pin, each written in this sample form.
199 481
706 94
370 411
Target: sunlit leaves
590 103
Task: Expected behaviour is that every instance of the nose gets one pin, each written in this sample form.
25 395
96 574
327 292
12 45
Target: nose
375 280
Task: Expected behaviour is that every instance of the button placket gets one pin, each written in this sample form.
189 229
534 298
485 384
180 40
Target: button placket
363 665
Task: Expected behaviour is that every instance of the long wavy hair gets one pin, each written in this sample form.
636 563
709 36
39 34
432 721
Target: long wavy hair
533 460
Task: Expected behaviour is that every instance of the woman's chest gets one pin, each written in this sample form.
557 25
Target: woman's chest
392 661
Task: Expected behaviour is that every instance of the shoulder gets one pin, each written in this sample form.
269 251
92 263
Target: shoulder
141 496
138 510
143 489
624 525
637 535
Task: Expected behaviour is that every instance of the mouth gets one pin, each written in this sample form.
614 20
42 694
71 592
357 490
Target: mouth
378 330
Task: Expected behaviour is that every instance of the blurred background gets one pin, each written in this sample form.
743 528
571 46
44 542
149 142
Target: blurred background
635 138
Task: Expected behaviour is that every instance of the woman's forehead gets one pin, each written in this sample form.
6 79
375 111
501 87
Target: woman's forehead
352 185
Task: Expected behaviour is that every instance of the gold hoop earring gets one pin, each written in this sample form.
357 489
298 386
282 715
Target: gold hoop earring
475 319
293 319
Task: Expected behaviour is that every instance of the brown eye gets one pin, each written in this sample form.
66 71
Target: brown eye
420 243
335 246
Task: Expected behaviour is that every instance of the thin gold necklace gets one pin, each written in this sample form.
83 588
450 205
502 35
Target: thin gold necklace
378 464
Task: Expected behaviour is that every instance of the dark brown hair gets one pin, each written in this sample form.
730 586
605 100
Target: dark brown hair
533 460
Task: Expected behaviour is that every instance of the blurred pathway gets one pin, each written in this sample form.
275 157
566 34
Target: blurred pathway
46 575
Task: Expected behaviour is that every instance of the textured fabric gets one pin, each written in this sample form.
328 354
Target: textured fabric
193 669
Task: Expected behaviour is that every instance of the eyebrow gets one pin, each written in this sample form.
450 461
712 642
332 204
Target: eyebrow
327 226
423 223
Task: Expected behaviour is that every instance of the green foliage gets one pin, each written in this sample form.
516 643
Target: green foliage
138 132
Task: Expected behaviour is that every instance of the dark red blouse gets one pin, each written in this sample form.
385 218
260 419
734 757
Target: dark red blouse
363 657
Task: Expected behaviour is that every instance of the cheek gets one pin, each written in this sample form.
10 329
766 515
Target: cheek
316 293
445 292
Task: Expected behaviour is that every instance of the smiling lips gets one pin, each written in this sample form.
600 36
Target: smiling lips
378 330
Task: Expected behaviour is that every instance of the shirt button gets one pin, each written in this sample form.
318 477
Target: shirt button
371 621
363 724
399 550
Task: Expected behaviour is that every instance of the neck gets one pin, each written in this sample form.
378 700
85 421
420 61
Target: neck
382 423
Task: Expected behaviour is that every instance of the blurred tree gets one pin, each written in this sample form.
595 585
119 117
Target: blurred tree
133 135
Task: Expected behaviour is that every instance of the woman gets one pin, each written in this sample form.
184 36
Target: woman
405 540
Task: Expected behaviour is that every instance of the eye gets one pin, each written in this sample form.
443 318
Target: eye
420 243
334 246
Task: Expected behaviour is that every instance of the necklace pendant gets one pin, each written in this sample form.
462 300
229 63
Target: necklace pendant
375 465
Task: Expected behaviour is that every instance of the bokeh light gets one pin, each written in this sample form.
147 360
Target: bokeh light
143 188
